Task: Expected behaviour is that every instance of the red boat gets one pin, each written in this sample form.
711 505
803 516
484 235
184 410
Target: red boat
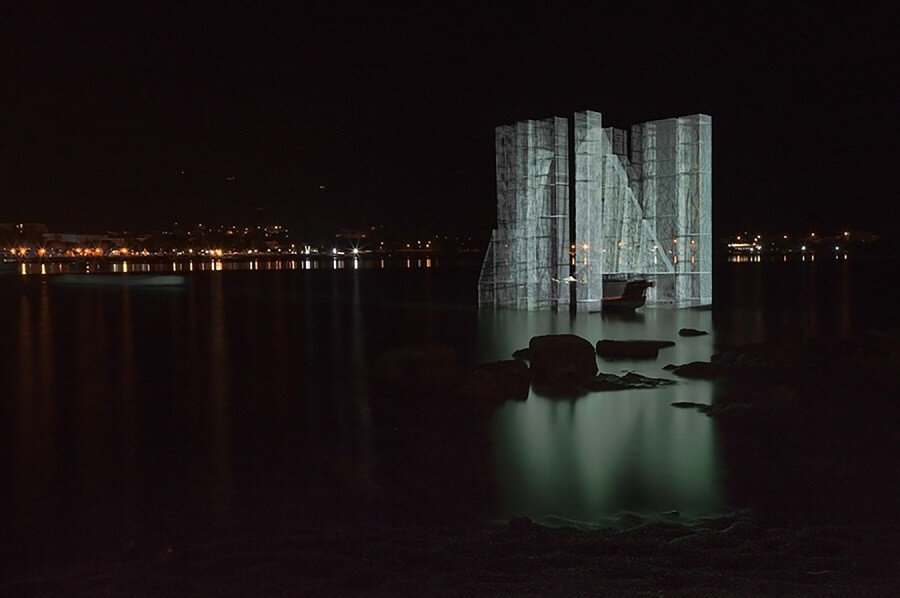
623 294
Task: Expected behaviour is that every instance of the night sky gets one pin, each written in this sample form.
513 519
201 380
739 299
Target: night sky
136 117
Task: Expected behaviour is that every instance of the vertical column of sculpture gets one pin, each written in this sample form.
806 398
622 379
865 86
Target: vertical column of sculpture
541 256
527 258
614 206
546 213
630 247
521 235
643 158
694 202
497 279
588 209
557 215
704 253
534 233
659 191
636 166
622 214
676 197
650 259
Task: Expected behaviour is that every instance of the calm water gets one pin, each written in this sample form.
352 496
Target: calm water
132 405
595 457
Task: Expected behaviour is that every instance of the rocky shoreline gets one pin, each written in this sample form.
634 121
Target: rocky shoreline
733 556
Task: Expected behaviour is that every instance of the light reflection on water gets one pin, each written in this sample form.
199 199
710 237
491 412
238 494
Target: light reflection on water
249 388
268 263
591 458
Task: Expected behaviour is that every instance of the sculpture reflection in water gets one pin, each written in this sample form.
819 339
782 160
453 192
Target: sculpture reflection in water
594 458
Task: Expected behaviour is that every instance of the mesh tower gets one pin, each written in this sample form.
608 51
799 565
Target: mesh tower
526 263
613 236
642 209
589 267
676 182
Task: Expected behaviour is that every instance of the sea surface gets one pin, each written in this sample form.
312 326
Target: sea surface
138 403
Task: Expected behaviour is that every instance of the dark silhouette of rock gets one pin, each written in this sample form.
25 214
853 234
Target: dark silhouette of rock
561 362
670 366
522 354
638 381
603 382
497 381
611 349
692 332
701 407
522 525
701 370
417 367
630 380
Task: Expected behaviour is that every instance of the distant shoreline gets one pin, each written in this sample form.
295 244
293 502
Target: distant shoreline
239 257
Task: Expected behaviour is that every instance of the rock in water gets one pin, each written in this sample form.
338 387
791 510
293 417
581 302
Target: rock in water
631 380
561 362
701 407
691 332
635 380
604 382
631 349
497 381
701 370
522 354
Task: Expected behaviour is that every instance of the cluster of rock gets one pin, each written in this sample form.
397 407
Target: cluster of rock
630 380
566 365
555 364
700 370
798 376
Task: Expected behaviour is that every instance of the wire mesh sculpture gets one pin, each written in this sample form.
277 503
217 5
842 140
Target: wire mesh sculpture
638 206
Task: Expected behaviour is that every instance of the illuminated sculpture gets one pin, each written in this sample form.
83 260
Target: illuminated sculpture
642 209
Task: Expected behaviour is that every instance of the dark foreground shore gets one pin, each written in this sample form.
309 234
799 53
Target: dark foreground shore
809 433
728 556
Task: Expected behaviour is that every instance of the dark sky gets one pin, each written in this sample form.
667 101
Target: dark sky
393 109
